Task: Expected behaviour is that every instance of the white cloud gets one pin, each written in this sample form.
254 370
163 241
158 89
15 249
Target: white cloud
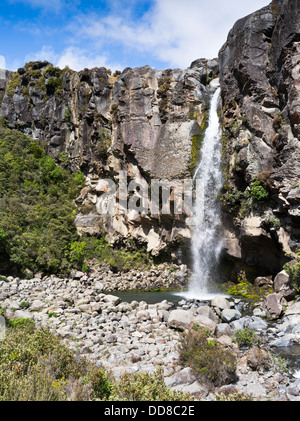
173 31
78 59
73 57
2 62
46 53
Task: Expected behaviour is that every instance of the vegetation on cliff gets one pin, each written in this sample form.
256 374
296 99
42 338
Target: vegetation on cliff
36 209
293 269
37 214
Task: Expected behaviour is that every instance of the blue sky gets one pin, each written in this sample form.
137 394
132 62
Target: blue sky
116 33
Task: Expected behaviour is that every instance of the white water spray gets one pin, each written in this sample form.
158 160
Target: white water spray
297 374
206 242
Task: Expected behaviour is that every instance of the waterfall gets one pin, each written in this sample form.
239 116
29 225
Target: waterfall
206 242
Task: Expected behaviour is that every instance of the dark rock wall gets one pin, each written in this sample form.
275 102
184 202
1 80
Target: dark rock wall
260 76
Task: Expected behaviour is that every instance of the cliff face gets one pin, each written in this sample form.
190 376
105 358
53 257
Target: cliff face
260 82
150 124
145 122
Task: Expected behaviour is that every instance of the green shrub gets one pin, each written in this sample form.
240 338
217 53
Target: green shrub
240 203
274 222
37 212
117 259
84 267
54 85
64 158
67 115
35 365
53 71
293 270
21 323
101 386
145 387
209 360
280 362
13 83
3 122
233 397
164 85
77 252
241 289
244 288
3 238
39 384
245 337
258 192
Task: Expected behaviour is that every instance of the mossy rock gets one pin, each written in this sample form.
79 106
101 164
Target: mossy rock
13 84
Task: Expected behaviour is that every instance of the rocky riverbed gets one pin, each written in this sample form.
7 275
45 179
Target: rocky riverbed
140 337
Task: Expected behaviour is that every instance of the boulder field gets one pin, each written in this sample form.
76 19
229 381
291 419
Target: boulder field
140 337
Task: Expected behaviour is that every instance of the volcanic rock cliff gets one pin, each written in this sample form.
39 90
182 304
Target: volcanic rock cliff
144 122
259 77
150 124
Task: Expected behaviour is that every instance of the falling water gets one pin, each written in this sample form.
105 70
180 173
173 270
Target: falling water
206 242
